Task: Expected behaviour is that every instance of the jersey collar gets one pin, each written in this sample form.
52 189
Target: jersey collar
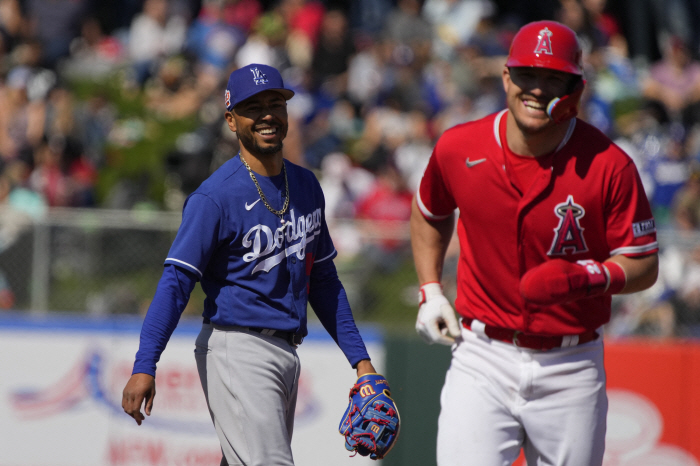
497 135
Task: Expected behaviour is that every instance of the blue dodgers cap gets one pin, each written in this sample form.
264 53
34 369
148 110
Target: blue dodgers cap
249 80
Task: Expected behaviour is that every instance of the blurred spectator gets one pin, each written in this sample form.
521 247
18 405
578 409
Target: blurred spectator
303 19
173 92
408 37
93 53
217 33
674 81
13 25
454 22
367 71
686 301
669 169
614 78
650 22
385 129
55 23
343 185
406 26
241 13
367 16
686 204
95 118
60 114
578 18
601 19
154 34
80 173
387 205
320 139
21 119
62 174
411 156
331 58
266 43
17 195
47 177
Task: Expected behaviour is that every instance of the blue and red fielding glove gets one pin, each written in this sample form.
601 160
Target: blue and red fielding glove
558 281
371 422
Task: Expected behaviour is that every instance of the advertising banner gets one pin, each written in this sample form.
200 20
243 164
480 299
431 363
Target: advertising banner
654 398
61 382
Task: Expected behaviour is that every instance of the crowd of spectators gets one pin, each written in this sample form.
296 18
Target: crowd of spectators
376 82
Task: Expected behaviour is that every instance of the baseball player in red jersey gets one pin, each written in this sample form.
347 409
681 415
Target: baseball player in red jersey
553 220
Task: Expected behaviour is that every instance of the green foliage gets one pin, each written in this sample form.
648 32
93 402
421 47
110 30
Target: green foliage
127 293
385 295
138 142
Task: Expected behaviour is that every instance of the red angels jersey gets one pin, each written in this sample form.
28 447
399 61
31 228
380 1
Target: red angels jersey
587 202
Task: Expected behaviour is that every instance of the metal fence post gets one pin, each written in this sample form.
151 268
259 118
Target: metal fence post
41 267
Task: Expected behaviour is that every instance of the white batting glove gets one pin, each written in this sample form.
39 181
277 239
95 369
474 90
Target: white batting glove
436 318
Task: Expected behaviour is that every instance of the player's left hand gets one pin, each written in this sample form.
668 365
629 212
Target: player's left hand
558 281
371 422
139 389
436 322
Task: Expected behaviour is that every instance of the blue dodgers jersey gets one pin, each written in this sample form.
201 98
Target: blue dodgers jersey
253 269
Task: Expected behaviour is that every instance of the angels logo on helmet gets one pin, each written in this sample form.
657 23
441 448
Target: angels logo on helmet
544 42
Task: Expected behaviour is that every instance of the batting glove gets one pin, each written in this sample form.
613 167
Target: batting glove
558 281
436 318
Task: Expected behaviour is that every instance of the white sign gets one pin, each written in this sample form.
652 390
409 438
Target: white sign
60 397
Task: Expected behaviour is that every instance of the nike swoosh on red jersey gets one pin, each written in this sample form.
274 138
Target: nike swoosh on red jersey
470 163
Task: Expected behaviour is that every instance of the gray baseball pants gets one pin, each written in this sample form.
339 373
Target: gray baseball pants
250 382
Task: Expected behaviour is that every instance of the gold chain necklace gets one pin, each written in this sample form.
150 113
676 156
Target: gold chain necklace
279 213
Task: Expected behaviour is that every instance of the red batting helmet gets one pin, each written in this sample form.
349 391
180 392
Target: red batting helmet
546 44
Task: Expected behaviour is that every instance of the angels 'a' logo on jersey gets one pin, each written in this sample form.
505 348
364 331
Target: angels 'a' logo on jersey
544 42
568 235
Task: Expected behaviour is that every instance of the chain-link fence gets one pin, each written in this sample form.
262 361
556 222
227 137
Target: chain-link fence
109 262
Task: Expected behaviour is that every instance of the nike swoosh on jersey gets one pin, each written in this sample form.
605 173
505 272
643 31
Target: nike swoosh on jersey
250 206
471 163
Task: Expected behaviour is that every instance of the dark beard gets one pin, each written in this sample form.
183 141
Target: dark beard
254 148
266 150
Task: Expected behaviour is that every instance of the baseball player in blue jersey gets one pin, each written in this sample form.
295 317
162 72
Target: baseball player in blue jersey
255 235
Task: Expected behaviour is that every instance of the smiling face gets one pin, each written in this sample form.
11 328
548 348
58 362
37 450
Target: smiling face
528 92
260 122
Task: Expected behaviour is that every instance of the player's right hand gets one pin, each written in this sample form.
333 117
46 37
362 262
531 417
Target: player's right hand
558 281
436 322
139 388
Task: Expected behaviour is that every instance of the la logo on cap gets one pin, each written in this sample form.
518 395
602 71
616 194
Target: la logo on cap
258 76
544 43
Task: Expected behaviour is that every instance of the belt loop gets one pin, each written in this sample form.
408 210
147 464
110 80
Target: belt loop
569 340
479 328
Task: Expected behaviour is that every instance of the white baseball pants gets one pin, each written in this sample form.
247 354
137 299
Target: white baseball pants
250 382
498 398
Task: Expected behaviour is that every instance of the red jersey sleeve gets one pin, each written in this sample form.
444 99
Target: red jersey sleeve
631 229
434 198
